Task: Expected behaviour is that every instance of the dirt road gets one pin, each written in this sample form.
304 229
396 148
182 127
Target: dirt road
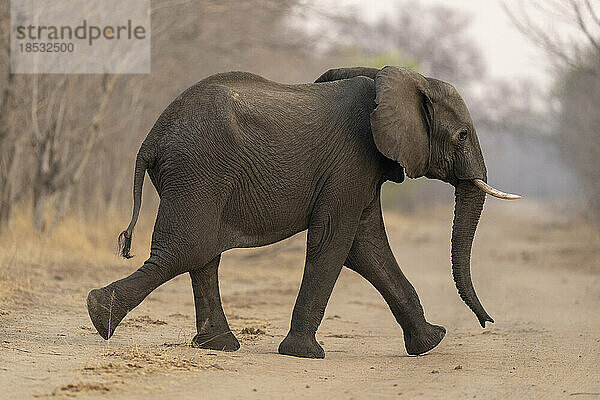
537 275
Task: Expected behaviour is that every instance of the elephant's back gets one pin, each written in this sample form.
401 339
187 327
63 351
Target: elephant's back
245 104
238 112
239 130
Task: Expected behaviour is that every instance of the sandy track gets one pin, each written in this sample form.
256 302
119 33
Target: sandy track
539 277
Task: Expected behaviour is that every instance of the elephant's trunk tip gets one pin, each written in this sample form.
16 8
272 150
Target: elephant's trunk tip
485 318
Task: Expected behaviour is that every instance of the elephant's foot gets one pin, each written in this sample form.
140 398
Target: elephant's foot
224 341
105 311
422 340
301 346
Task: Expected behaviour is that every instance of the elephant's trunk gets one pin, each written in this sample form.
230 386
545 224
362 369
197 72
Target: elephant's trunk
467 210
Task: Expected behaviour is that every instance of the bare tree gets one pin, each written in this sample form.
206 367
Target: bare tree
573 47
69 141
571 38
578 129
63 150
435 39
11 141
516 107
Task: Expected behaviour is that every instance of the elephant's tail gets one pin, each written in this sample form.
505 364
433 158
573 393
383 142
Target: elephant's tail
125 237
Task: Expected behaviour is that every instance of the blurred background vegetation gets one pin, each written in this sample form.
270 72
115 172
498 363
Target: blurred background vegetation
68 142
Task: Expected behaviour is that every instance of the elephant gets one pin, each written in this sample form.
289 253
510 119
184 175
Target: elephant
240 161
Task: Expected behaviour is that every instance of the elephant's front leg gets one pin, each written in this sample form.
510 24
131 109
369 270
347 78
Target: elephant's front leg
372 258
329 240
211 324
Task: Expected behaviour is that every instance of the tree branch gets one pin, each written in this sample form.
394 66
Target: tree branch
592 12
583 26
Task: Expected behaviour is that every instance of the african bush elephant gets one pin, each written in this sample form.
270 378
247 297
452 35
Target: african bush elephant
241 161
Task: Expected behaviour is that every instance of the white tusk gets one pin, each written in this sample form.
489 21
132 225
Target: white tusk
494 192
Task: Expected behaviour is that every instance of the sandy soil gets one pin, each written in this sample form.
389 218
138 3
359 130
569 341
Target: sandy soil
537 275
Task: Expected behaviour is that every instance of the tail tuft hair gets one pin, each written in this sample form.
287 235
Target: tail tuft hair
125 244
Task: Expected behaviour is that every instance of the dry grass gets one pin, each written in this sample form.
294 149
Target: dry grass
90 241
75 237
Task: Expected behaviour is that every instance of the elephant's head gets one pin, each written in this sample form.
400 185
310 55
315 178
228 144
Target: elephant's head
425 126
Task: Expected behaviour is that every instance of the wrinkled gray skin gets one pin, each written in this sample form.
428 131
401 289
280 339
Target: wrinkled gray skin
240 161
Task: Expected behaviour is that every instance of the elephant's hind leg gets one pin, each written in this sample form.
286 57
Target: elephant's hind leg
107 306
211 324
174 249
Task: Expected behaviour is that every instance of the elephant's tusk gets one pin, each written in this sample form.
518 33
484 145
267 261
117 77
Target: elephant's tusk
494 192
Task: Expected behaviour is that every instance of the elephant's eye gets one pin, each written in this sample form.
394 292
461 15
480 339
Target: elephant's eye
462 135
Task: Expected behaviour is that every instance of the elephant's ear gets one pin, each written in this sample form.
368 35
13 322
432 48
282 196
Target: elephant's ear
400 122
